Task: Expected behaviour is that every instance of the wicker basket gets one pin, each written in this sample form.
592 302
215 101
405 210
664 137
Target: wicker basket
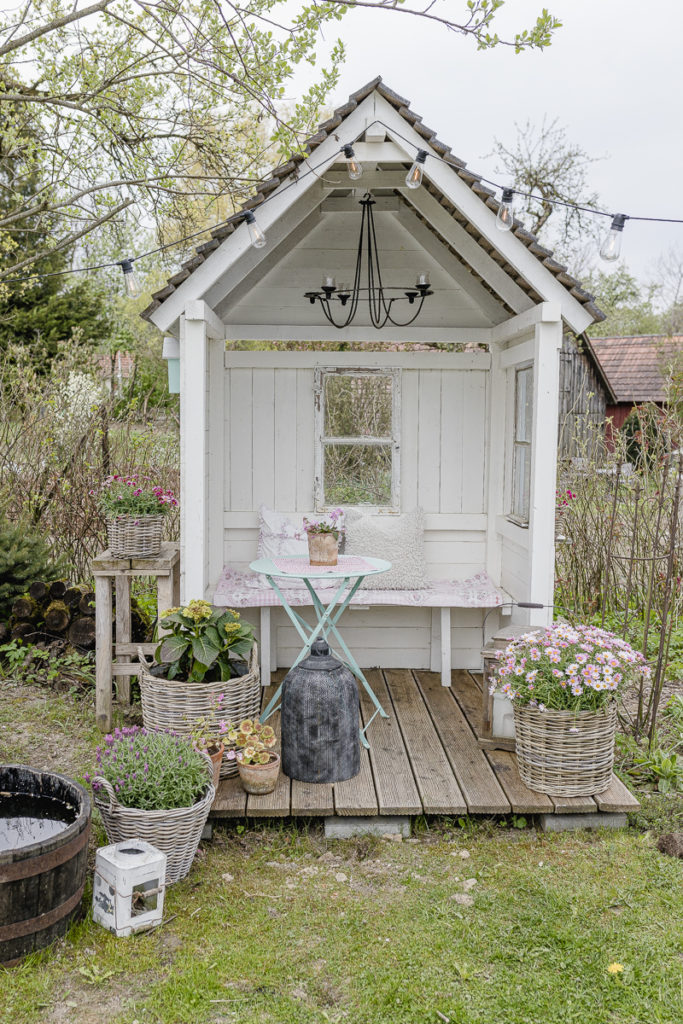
176 832
135 536
176 704
554 759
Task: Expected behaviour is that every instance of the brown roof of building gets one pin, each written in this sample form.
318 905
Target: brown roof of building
636 367
283 170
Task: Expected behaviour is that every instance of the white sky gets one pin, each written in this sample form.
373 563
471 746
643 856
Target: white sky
612 76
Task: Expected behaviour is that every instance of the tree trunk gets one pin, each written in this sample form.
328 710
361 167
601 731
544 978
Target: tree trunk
82 633
57 617
86 605
24 631
25 609
38 590
58 589
73 595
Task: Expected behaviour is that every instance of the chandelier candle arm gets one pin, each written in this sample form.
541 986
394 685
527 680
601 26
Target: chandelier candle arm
380 302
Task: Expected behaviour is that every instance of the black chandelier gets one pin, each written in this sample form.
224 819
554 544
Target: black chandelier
380 302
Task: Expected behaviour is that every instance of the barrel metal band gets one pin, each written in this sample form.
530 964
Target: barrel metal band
38 924
46 861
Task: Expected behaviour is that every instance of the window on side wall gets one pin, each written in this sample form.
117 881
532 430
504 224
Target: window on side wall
521 445
357 420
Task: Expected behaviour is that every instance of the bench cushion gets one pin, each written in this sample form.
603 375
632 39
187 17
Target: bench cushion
237 589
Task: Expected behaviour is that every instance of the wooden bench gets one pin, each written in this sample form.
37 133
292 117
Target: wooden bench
238 589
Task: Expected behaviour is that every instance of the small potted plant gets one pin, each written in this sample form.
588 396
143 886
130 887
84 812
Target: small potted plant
564 683
206 657
257 763
323 538
135 510
156 787
206 734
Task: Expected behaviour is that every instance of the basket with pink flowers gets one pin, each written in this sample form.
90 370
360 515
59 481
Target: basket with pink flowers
564 683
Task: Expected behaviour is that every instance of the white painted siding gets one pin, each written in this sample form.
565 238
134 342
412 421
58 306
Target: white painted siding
269 458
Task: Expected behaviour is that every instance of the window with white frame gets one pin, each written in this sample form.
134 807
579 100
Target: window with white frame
358 428
521 444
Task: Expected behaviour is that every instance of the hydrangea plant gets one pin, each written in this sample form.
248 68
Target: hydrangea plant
566 668
204 642
150 770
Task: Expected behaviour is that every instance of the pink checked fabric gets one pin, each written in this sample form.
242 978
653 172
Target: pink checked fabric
248 590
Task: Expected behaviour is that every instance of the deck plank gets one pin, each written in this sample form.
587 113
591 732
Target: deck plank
230 801
276 804
574 804
477 781
617 798
439 791
357 796
395 785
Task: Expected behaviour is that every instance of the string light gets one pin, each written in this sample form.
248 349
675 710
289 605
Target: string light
355 169
414 175
611 245
258 239
504 217
130 279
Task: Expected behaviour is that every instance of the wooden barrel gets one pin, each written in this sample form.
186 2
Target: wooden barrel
41 884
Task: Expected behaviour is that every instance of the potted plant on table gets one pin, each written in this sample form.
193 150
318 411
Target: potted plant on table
257 763
156 787
135 510
564 683
323 538
208 658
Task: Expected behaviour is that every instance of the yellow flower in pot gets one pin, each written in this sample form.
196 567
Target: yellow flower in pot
257 763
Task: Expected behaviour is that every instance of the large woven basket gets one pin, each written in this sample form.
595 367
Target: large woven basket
563 753
135 536
176 705
176 832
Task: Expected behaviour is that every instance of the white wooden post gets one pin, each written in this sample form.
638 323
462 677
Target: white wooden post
496 448
198 328
547 345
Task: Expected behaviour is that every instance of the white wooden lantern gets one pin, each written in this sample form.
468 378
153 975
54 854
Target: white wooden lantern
128 888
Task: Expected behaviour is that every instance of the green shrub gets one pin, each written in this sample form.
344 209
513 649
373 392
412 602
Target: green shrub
24 558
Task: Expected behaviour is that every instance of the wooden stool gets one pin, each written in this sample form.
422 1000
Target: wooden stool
115 659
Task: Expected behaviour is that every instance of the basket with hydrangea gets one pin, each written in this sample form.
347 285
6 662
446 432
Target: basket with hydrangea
207 658
135 509
564 683
257 762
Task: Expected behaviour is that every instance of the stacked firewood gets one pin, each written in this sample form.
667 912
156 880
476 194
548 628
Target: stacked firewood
53 611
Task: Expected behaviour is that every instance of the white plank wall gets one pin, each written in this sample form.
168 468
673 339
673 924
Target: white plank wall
269 458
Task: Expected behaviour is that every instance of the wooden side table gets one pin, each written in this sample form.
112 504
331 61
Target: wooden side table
115 659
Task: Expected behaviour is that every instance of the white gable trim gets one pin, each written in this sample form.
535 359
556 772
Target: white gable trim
480 216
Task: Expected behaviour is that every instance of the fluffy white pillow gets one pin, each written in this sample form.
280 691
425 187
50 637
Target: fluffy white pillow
397 538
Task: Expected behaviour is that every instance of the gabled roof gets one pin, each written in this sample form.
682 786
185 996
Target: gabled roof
636 367
402 106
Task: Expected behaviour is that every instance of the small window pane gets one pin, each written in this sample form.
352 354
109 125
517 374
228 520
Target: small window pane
524 405
521 482
357 405
358 474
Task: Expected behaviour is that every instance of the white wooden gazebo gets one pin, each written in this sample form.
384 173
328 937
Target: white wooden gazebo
475 427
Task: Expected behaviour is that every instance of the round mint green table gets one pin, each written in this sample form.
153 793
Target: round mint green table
327 616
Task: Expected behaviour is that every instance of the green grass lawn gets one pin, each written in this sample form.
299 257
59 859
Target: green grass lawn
279 926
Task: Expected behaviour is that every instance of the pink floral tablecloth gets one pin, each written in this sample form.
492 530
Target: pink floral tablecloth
237 589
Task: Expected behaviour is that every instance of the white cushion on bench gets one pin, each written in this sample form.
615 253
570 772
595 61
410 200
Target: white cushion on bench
237 589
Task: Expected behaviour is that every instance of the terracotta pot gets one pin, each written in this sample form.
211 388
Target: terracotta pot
323 548
260 778
216 760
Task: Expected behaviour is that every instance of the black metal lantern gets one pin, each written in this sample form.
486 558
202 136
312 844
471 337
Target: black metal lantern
320 719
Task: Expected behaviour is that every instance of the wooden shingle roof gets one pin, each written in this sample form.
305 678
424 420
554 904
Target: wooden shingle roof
433 143
636 367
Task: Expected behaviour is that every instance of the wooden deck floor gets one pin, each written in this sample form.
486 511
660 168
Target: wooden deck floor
423 759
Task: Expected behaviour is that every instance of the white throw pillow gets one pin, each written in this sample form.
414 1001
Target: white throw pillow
397 538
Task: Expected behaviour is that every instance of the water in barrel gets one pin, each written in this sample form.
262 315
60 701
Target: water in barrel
27 818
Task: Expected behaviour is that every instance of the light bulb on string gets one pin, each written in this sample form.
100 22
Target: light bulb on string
414 175
505 217
354 168
610 249
130 279
256 235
